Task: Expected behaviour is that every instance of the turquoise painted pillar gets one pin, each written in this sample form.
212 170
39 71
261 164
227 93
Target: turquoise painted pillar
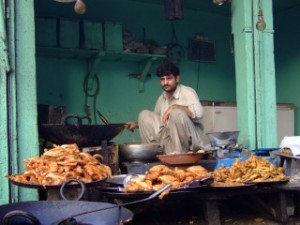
25 90
266 122
255 74
4 69
242 31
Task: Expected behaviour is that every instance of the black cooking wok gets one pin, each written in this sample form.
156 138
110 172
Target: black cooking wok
66 212
51 212
83 135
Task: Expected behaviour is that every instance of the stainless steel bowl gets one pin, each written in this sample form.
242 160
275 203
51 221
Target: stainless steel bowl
139 152
223 138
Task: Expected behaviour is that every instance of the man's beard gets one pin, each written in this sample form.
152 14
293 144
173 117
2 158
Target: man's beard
169 89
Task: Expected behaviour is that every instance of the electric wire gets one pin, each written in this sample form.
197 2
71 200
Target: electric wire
92 95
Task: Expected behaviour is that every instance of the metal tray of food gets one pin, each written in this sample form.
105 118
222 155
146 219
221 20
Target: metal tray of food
39 186
117 182
268 182
285 155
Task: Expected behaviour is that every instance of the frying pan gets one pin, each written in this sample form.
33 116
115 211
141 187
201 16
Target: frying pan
65 212
84 135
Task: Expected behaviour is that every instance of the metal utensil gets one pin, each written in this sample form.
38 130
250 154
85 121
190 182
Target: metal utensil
223 138
72 220
105 121
139 152
102 118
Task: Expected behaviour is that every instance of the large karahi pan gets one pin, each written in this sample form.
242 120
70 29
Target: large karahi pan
84 135
66 212
52 212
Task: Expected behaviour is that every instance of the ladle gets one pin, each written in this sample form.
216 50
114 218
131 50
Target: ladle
71 220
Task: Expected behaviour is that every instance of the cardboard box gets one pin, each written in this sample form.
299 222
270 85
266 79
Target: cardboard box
91 35
113 36
68 33
46 32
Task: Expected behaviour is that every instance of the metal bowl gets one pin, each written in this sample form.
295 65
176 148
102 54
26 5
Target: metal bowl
181 158
223 138
139 152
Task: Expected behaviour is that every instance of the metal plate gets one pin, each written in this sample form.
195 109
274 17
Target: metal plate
116 180
233 185
137 195
285 155
38 186
196 184
268 182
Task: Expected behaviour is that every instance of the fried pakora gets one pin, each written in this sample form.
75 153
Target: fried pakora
160 175
61 163
254 169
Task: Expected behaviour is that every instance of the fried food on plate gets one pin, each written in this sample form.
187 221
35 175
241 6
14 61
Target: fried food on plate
160 175
254 169
61 163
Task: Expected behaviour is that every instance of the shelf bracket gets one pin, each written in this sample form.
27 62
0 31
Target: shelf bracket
144 74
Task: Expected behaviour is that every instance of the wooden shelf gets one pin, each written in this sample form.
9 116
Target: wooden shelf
97 56
92 54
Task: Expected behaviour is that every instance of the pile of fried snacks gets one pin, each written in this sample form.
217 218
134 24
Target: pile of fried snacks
61 163
160 175
254 169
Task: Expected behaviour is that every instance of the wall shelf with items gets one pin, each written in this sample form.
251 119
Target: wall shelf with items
90 54
96 56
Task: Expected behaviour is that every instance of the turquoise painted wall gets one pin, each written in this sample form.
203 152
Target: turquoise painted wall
60 81
287 60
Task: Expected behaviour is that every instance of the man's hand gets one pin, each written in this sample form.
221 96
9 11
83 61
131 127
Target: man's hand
131 125
166 115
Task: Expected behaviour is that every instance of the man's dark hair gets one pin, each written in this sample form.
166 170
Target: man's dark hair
167 68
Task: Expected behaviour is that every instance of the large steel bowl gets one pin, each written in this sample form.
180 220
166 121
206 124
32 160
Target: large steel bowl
139 152
223 138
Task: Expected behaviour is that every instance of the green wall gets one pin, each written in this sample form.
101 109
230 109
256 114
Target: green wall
287 60
60 81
